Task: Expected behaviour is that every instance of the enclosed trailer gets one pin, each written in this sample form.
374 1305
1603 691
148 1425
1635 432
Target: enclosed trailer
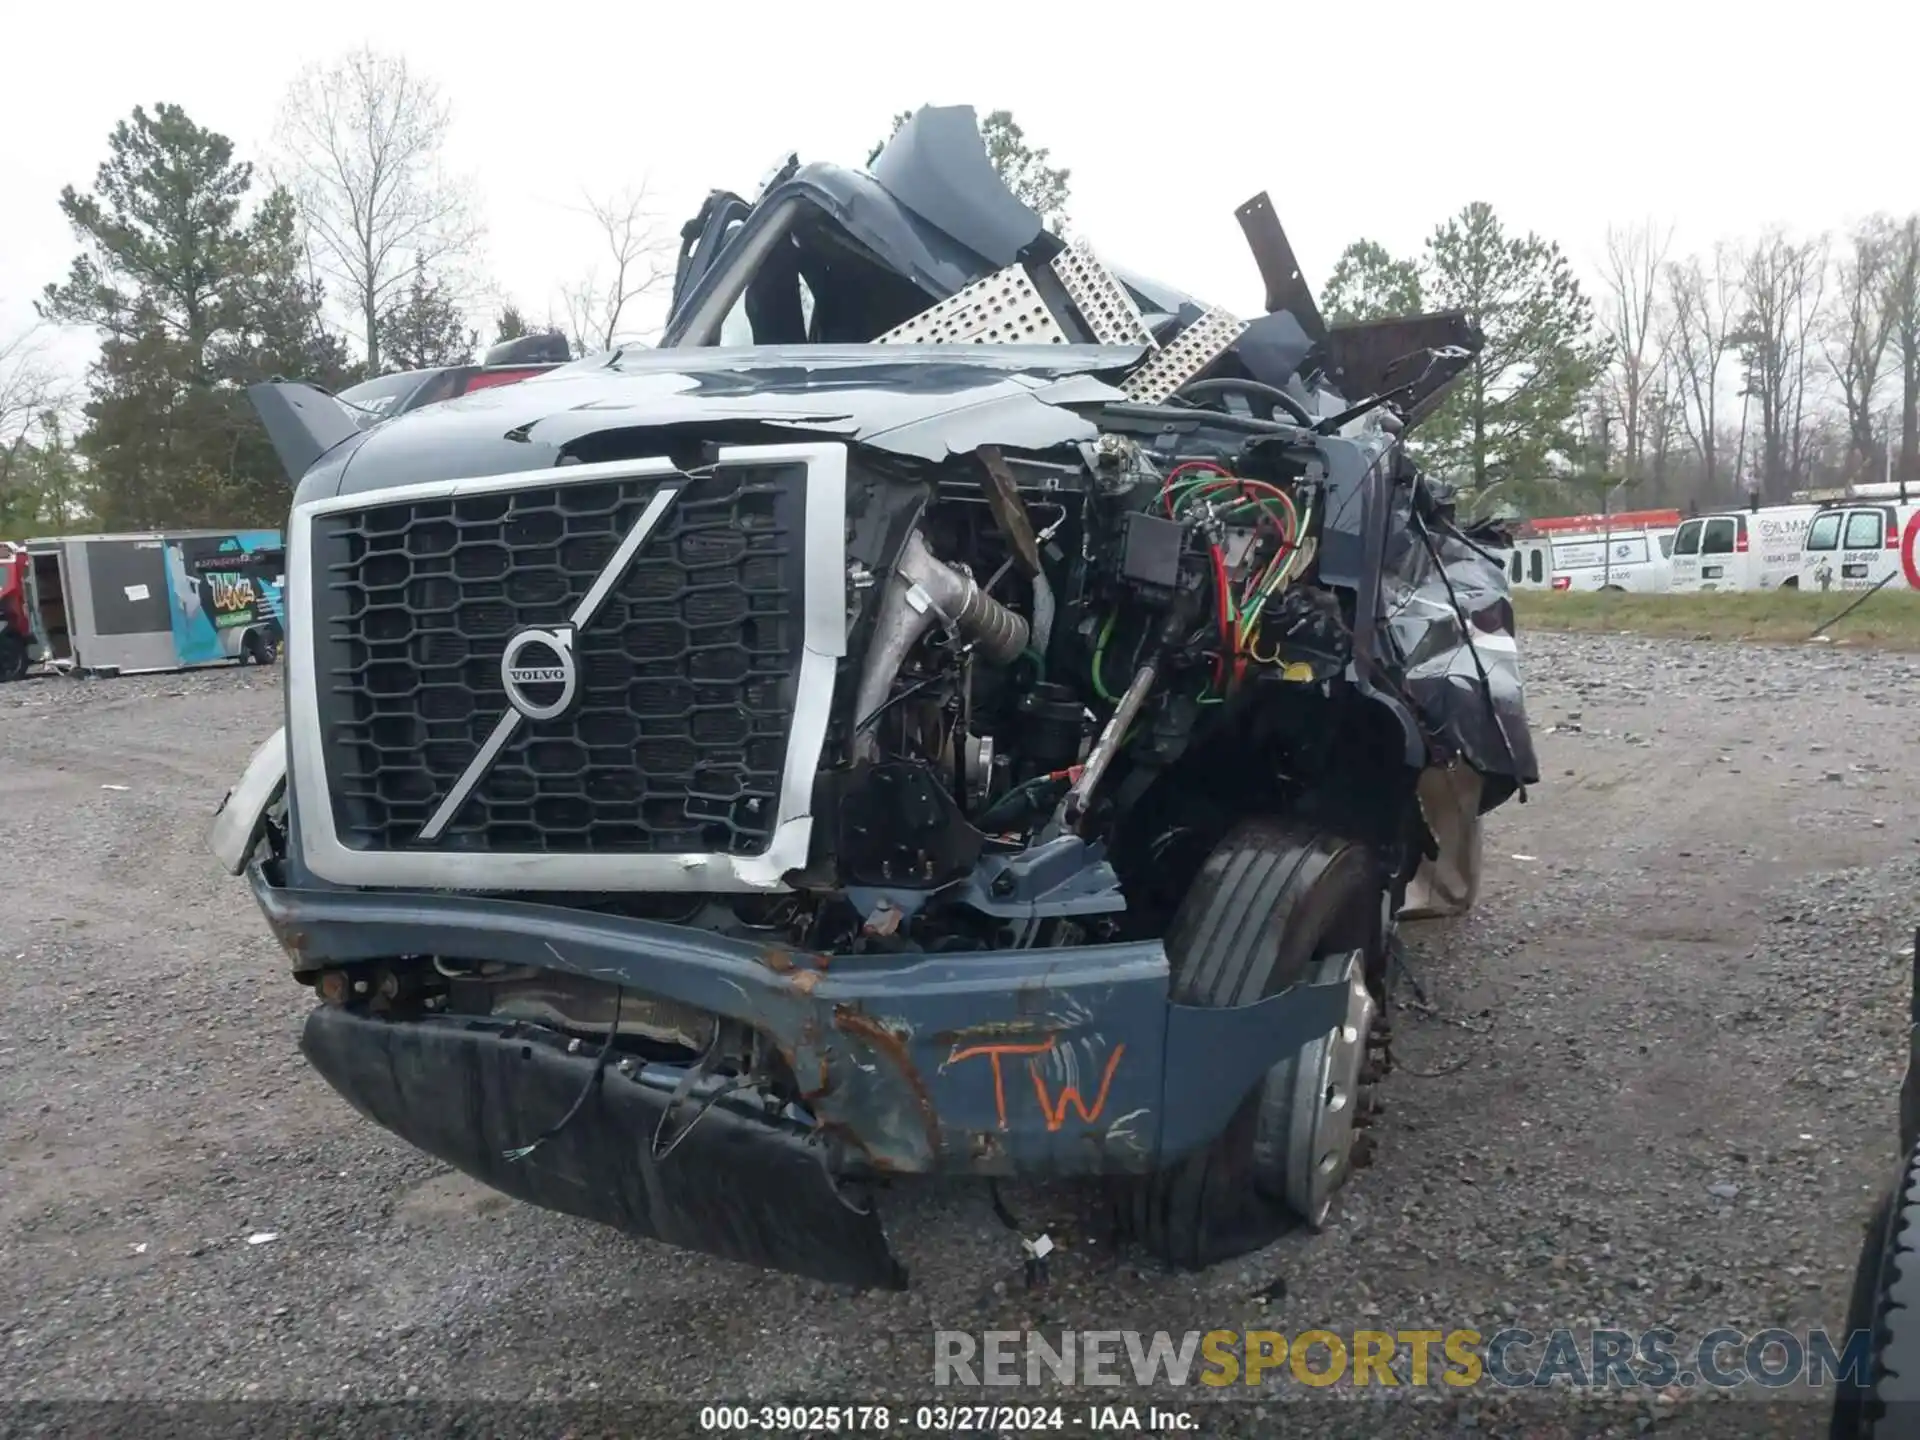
173 600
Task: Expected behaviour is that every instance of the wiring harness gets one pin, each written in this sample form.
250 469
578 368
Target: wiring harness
1215 500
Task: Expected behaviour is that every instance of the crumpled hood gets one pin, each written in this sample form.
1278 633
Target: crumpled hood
922 401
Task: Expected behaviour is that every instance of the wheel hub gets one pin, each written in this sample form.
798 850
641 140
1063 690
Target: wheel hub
1304 1148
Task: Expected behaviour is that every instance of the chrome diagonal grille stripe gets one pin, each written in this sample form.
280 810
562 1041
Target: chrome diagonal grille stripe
590 603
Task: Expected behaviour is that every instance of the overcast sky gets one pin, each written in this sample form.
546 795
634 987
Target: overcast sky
1362 119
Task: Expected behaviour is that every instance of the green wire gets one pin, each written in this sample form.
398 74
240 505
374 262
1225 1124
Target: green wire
1100 654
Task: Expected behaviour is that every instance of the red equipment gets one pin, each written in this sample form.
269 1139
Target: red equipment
16 627
1597 524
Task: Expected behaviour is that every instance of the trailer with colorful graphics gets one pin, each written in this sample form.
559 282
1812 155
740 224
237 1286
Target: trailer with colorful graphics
172 600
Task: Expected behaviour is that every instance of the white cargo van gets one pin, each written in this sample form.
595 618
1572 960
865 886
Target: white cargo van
1630 551
1856 544
1635 560
1742 549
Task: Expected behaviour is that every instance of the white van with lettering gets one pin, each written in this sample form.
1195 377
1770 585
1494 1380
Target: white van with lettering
1859 544
1634 560
1742 549
1631 550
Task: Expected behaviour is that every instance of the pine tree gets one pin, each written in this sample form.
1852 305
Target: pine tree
191 302
425 327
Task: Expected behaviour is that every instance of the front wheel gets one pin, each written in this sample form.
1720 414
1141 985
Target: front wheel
13 658
1880 1402
1274 905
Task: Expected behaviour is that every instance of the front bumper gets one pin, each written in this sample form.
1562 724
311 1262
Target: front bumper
994 1063
710 1192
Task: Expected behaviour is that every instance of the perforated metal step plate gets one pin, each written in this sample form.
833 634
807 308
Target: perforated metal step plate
1003 309
1184 357
1103 303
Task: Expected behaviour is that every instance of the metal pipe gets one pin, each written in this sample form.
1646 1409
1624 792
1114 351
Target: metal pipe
1074 803
998 633
923 589
1042 613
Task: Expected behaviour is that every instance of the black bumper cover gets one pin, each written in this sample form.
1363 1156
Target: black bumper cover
734 1186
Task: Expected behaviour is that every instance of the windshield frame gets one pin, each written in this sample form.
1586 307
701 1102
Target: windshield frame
733 269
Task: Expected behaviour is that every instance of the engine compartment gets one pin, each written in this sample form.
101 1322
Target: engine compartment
1064 672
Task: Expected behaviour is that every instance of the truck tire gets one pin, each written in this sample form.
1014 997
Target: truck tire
1888 1404
256 648
13 658
1270 904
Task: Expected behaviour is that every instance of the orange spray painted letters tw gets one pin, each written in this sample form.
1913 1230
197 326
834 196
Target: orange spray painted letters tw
1055 1114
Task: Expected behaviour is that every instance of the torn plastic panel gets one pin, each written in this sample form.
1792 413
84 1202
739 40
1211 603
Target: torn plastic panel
936 167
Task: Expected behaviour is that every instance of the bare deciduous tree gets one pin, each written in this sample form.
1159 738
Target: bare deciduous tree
634 254
1702 300
1781 284
1662 420
32 394
1629 315
1857 330
1903 324
362 140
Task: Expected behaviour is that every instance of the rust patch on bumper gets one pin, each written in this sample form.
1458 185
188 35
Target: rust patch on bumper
294 941
853 1022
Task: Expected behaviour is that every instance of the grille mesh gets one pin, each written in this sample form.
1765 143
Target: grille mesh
677 740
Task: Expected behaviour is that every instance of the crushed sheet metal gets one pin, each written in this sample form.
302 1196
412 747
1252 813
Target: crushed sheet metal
1184 357
1440 657
1003 309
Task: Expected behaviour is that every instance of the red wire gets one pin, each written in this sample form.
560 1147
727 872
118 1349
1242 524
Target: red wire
1248 489
1226 624
1188 467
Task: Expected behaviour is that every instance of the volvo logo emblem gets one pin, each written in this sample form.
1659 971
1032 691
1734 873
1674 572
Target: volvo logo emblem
540 673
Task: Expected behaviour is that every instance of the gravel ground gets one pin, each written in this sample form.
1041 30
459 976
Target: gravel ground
1659 1089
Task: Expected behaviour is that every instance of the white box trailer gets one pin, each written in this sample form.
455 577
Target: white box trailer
173 600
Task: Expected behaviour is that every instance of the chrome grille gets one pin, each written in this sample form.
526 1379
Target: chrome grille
676 742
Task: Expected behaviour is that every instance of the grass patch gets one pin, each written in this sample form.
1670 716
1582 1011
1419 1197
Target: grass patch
1889 620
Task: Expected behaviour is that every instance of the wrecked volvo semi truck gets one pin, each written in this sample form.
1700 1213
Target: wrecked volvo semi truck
953 708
